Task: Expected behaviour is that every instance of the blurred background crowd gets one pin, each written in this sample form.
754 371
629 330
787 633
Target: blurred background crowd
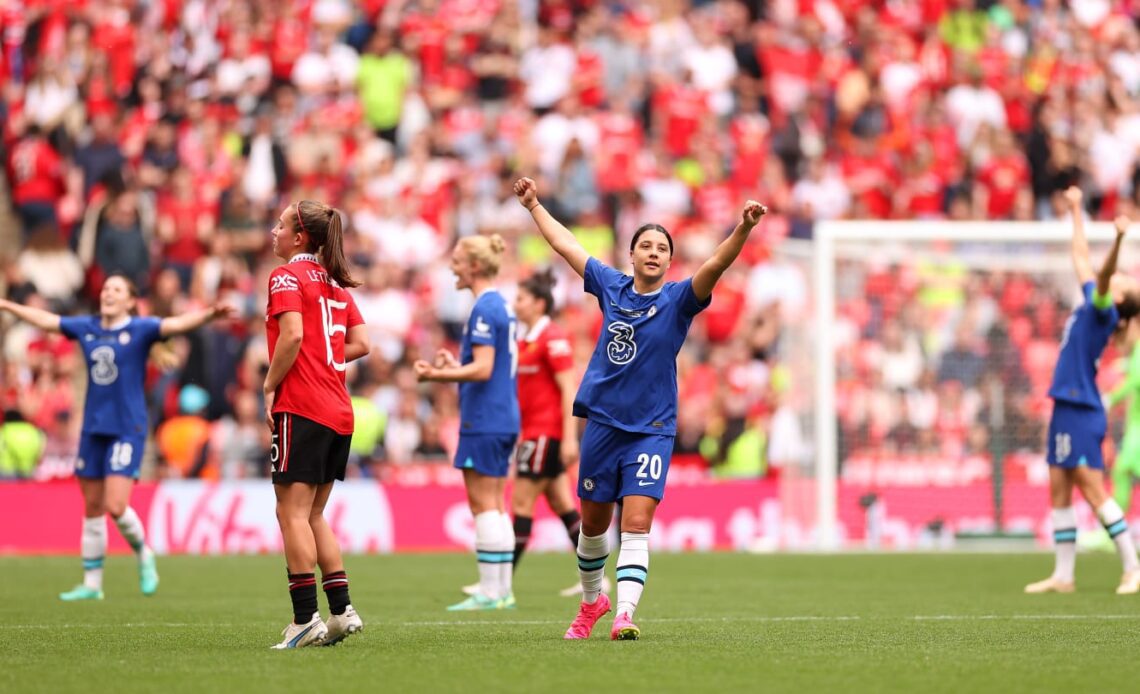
161 139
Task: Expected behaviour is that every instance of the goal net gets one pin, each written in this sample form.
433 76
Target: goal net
933 346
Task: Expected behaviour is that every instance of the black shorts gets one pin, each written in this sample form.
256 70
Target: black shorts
305 451
539 459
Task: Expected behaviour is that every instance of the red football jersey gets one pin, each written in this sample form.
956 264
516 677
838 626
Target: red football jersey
314 388
543 352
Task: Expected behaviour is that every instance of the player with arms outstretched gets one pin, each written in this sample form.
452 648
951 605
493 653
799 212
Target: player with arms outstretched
488 412
629 397
115 345
313 329
1078 423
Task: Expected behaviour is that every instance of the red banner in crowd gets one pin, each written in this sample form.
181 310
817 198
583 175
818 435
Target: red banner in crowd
430 514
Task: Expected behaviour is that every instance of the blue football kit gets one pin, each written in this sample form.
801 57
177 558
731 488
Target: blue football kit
629 391
1078 424
489 410
115 411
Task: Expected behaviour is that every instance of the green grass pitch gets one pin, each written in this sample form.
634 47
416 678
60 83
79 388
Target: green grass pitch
710 623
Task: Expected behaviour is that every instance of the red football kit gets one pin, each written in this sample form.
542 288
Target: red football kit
543 352
314 388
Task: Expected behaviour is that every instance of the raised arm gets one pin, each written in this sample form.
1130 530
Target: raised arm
709 273
1080 244
192 320
480 367
44 320
559 237
1104 277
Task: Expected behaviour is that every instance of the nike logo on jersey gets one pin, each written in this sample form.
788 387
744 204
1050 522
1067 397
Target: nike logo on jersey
644 483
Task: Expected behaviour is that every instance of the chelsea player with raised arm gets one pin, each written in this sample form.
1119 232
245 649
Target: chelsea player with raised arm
628 396
1078 423
116 345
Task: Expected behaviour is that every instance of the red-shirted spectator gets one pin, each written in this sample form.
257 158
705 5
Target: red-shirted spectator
1002 178
36 173
185 225
678 109
114 35
922 190
620 141
871 177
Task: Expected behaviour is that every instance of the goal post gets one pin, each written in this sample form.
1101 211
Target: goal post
986 255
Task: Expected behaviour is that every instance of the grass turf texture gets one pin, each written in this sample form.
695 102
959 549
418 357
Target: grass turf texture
716 622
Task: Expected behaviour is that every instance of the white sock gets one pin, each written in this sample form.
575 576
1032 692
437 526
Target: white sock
1065 543
507 553
488 529
92 548
632 570
1112 518
592 555
131 528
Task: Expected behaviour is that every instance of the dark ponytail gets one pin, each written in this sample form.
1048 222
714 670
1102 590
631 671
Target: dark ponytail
540 285
326 238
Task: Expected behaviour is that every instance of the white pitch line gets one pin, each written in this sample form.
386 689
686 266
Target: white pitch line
130 625
981 617
663 620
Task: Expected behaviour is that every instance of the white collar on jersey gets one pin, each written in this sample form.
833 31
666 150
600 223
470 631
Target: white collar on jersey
655 292
117 326
302 257
535 330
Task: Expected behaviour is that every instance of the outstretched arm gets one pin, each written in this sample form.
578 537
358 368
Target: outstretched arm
480 367
1080 244
709 273
559 237
44 320
186 322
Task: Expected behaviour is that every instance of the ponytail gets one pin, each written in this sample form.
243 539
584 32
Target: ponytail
326 237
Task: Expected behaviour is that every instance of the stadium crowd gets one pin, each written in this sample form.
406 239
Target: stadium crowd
160 139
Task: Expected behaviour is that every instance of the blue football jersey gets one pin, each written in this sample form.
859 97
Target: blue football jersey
116 371
1086 333
631 381
491 406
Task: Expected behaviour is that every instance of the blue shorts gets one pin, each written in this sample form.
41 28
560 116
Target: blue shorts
1075 436
616 464
487 454
101 455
